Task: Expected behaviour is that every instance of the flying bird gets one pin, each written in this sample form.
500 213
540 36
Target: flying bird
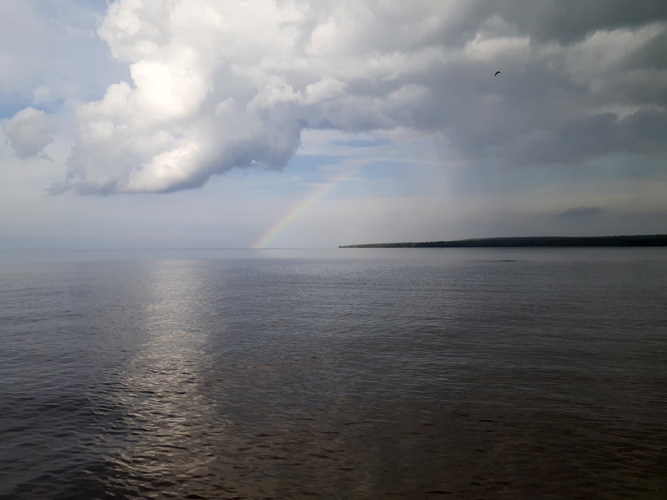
497 73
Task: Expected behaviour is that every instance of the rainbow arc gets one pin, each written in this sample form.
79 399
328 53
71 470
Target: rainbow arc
303 206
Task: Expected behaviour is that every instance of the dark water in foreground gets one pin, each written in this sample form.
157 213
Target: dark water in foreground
361 374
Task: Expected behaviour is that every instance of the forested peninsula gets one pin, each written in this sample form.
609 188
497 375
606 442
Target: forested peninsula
645 240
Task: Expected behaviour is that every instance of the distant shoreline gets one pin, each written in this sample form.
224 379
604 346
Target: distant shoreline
649 240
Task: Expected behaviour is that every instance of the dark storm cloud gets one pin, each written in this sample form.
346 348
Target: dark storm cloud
569 21
591 82
580 212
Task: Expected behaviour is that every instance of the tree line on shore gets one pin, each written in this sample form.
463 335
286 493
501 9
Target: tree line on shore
649 240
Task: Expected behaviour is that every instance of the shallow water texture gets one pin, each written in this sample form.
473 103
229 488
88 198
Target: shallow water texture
334 374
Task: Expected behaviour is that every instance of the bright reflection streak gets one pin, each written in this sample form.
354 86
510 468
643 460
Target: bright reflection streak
209 408
168 419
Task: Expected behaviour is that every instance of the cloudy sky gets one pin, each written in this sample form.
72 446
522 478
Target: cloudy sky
278 123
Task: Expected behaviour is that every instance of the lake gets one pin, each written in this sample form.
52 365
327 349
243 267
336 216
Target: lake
334 374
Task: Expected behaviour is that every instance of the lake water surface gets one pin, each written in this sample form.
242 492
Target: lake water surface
334 374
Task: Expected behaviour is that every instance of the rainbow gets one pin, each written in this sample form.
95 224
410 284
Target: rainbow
318 194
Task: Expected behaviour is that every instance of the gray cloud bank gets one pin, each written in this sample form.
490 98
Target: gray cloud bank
29 131
222 85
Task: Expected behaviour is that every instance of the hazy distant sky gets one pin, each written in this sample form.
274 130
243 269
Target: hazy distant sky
208 123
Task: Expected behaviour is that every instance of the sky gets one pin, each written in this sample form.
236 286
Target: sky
296 124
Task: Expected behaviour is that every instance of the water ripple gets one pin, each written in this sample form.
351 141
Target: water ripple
422 377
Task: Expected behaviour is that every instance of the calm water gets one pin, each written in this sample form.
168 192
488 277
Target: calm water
352 373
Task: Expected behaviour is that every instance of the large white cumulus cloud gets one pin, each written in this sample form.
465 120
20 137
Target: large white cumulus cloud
218 85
